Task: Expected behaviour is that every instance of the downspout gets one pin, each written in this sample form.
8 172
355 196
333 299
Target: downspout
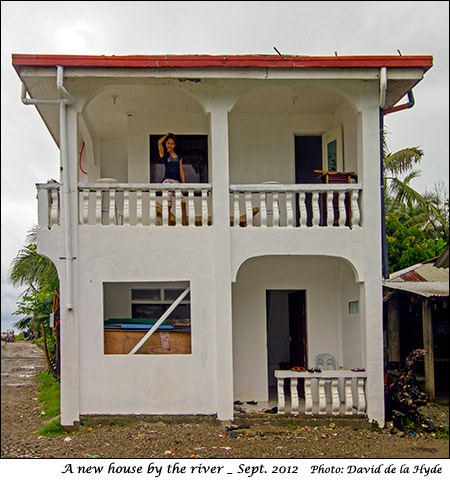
384 252
63 102
383 112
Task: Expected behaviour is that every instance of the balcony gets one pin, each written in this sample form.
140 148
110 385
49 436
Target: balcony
190 205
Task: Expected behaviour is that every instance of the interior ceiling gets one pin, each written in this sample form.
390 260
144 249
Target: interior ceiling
108 111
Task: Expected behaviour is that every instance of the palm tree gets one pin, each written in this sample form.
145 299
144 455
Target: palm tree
36 304
428 211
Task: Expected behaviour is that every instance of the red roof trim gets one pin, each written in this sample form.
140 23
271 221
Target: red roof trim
200 61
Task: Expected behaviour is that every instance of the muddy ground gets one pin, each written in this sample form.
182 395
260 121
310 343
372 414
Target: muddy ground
260 435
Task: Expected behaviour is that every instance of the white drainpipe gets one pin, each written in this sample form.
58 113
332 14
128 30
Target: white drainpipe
383 86
63 102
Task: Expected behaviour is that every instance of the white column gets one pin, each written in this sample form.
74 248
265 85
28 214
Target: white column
371 288
69 333
222 245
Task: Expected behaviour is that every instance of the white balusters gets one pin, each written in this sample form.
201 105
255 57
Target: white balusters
294 395
330 209
348 398
322 394
354 209
248 209
360 396
153 214
126 207
98 207
54 207
263 208
308 396
280 393
322 397
178 207
289 210
302 207
315 209
139 207
335 403
275 210
204 207
191 209
85 206
236 210
165 208
112 207
277 205
342 213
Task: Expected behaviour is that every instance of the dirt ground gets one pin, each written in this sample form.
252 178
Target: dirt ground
260 435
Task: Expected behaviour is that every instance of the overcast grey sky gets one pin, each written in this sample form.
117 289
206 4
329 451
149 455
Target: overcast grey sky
29 155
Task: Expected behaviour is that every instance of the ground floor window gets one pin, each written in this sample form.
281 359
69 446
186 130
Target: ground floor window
147 318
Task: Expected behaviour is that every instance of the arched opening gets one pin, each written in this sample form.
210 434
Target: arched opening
121 124
286 311
284 133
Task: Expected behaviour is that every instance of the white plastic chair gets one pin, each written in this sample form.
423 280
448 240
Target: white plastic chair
325 361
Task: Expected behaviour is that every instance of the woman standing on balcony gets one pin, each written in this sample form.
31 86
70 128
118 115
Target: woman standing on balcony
173 168
173 164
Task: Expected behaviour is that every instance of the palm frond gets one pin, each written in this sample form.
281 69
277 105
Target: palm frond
400 162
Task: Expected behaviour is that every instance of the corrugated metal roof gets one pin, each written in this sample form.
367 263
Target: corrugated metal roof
412 277
424 289
428 279
422 272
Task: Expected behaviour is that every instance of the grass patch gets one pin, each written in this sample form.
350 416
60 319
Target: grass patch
49 396
52 429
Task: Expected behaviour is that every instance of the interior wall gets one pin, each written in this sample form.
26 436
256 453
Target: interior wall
262 145
351 322
113 163
346 117
141 126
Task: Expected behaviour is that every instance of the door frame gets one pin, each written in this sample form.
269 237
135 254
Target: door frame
286 324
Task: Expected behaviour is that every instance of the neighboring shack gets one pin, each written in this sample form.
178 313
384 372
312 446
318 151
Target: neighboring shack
416 316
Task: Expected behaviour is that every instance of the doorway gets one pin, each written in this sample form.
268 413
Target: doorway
308 157
286 331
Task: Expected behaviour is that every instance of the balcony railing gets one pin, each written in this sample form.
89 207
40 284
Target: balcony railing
335 392
291 206
145 204
266 206
48 204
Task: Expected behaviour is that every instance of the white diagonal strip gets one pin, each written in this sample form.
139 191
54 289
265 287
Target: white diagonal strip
160 321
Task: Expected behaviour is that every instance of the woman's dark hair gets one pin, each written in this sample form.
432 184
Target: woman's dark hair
172 136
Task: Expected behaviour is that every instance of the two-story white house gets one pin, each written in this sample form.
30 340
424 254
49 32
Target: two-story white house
183 298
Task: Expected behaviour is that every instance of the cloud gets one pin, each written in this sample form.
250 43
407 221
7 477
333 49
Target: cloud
30 156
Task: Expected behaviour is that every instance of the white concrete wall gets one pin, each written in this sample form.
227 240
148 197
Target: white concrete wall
318 276
351 355
114 162
262 145
261 148
141 126
146 384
